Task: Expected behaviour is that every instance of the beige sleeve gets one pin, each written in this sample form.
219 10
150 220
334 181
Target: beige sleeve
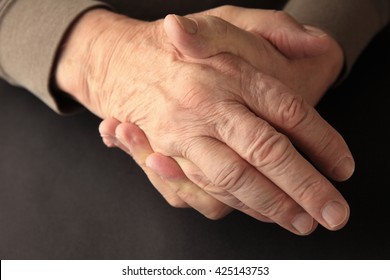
31 32
353 23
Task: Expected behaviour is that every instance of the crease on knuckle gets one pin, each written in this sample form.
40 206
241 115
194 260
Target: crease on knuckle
293 112
274 206
328 140
193 97
309 190
321 148
231 176
270 148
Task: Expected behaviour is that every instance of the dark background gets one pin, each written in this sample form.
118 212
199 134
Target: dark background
64 195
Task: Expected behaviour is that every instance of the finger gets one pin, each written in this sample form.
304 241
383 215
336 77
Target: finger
107 131
192 171
173 184
205 36
293 39
271 153
185 189
290 114
243 181
134 138
214 35
138 146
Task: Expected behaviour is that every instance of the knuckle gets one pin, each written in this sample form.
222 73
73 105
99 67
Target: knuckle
310 190
325 142
293 111
231 176
108 141
194 96
269 148
275 206
330 143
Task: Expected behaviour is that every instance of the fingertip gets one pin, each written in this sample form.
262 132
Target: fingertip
108 141
169 21
177 26
304 224
335 214
108 126
198 36
344 169
176 201
313 229
318 42
189 25
201 201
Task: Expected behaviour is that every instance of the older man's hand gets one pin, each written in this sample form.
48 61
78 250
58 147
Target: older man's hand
315 58
227 124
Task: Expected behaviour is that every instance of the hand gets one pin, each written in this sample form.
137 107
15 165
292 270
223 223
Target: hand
315 58
174 185
170 101
292 39
207 42
164 173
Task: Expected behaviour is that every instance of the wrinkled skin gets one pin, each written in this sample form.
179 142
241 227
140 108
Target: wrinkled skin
220 108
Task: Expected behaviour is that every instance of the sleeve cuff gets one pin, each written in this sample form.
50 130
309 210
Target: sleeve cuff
31 34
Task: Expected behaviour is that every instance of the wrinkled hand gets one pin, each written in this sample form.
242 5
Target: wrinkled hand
218 108
295 41
315 59
174 185
292 39
164 172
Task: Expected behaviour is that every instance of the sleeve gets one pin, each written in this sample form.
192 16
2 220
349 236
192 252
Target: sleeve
31 33
353 23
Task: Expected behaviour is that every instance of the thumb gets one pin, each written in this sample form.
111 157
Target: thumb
203 36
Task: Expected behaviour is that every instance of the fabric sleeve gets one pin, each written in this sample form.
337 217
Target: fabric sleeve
353 23
30 36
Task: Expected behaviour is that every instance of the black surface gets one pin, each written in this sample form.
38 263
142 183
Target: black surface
63 195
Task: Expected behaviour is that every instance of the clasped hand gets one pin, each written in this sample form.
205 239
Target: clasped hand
211 111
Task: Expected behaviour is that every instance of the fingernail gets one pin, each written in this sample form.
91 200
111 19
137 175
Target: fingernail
335 214
315 31
344 169
303 223
189 25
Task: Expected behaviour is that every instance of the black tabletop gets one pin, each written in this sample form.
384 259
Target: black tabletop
64 195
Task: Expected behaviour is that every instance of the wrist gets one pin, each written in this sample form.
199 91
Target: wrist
85 55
